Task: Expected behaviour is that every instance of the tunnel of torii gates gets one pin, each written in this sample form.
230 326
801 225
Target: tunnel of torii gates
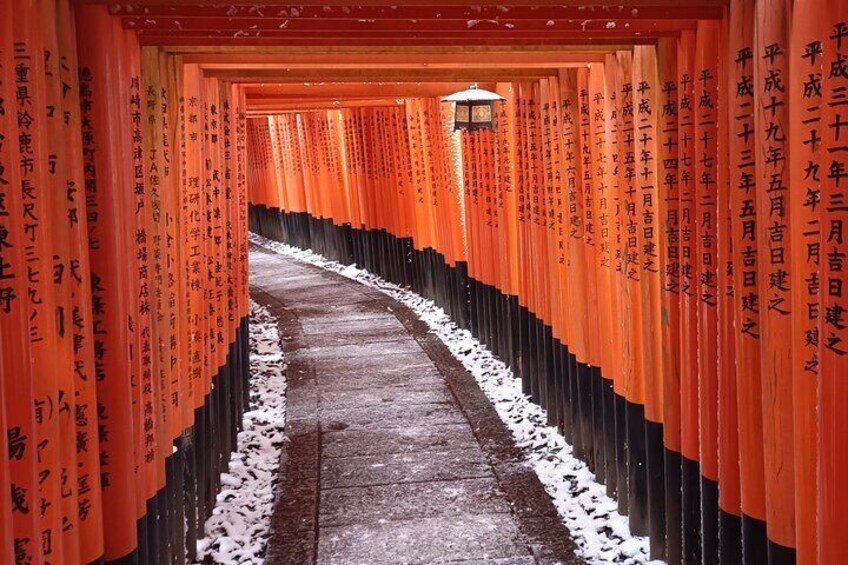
654 237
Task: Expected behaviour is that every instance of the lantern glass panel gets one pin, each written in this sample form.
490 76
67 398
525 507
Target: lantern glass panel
481 114
461 116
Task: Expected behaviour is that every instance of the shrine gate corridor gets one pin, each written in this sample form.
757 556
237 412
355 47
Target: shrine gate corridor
652 237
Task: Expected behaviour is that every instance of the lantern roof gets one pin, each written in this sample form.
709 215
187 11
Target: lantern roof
474 94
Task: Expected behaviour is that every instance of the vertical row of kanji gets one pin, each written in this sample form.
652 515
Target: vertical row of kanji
123 285
655 244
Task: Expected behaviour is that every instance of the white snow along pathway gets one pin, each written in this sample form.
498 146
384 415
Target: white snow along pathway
238 530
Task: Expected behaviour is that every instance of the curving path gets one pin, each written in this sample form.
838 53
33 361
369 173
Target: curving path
394 453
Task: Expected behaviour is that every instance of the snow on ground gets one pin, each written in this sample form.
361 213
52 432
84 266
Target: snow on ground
600 532
237 532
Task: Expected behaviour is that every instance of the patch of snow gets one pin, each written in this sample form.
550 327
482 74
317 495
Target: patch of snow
610 25
601 534
238 530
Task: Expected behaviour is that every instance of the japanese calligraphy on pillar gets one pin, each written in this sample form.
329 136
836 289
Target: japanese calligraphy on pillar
586 165
774 212
533 157
832 463
571 157
141 238
36 162
834 230
686 150
668 182
644 122
14 313
743 201
809 198
601 168
706 165
630 221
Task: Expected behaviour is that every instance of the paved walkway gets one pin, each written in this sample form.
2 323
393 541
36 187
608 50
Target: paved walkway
395 455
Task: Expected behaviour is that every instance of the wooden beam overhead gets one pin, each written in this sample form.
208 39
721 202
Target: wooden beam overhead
285 106
377 75
347 91
587 4
529 59
438 12
212 67
286 26
212 42
424 50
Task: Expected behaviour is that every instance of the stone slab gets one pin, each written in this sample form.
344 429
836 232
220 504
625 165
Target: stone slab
369 349
342 312
358 505
319 326
419 381
475 536
409 364
338 336
378 397
416 466
392 416
324 297
527 560
358 443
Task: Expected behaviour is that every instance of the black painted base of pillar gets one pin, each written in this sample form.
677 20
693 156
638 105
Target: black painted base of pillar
690 489
673 510
754 541
729 538
655 454
709 521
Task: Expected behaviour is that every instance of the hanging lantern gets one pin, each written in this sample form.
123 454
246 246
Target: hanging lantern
474 108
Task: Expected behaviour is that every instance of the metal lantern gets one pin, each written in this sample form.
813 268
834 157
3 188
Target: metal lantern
474 108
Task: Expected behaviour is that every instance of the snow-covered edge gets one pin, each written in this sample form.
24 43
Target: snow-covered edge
602 534
237 532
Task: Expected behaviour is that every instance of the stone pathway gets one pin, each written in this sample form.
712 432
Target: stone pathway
394 454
